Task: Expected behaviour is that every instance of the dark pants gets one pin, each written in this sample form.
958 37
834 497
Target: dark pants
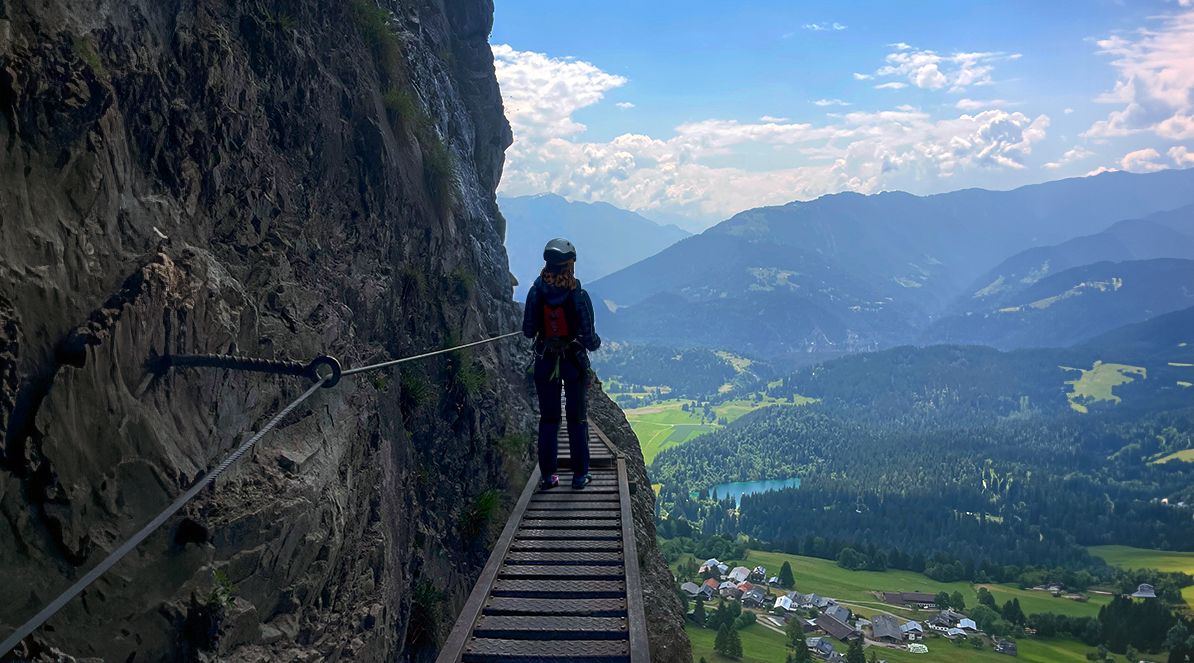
573 377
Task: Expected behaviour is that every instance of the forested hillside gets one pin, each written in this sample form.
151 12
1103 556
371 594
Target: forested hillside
954 455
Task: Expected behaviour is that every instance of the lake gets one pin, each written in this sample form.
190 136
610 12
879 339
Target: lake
740 488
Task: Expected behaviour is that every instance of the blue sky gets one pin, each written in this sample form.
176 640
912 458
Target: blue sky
694 110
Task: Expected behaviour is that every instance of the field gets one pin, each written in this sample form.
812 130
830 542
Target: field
763 645
759 644
1098 383
853 588
1127 557
1185 455
663 425
826 578
1033 651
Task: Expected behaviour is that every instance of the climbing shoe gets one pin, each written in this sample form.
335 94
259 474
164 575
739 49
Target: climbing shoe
578 483
550 482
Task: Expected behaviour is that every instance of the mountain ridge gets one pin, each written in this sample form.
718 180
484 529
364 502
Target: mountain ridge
881 265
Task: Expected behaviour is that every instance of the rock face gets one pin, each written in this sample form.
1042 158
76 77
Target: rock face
665 615
276 178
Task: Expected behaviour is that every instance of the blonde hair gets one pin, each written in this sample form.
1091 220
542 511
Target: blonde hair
560 276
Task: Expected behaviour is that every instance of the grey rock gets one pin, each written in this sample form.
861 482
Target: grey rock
209 177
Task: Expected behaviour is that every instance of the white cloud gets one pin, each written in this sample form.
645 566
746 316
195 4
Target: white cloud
862 77
624 105
705 169
931 70
979 104
1076 153
1068 111
824 26
1142 161
1182 156
893 85
1100 170
831 102
1155 84
541 93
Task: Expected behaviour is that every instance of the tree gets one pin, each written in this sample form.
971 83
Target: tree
802 654
786 579
942 600
956 601
721 642
745 619
1177 642
854 654
734 644
1012 612
795 633
985 597
698 613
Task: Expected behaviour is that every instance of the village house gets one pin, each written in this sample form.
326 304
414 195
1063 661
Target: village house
755 597
838 612
758 574
1005 646
955 633
912 631
836 629
783 603
820 646
1145 591
690 589
739 574
885 628
968 625
709 588
729 590
773 581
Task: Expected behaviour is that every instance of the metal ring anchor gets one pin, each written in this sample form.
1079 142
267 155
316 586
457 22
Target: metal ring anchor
331 377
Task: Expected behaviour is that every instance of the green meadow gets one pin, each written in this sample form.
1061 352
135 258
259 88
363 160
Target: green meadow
855 589
1127 557
1185 455
665 424
825 577
1098 383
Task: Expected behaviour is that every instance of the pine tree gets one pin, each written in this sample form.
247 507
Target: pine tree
854 653
721 642
794 631
985 597
786 579
802 654
734 644
698 613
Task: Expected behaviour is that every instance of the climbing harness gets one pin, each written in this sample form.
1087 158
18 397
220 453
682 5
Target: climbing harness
324 370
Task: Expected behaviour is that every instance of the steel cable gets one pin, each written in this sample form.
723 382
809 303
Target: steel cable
125 548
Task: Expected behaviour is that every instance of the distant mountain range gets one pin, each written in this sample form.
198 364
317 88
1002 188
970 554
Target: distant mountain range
607 238
851 272
1168 234
1073 305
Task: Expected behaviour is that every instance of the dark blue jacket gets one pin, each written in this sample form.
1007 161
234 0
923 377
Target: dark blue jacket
541 293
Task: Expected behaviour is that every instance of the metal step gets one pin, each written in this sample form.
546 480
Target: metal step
492 650
562 583
552 627
588 607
